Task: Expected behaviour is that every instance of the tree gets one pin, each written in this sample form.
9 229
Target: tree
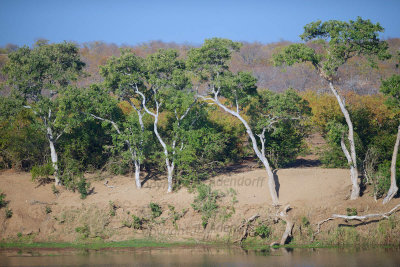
279 118
391 88
231 92
121 75
152 85
344 40
169 87
40 76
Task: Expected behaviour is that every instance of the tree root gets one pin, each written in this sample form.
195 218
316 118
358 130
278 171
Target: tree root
289 225
362 218
246 225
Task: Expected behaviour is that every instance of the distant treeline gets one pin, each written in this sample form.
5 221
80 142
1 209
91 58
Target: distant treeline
356 76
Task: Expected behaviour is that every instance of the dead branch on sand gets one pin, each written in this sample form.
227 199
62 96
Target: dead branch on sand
106 184
362 218
246 225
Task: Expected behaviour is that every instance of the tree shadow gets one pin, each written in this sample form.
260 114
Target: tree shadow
304 163
44 181
358 224
150 175
91 191
363 185
277 184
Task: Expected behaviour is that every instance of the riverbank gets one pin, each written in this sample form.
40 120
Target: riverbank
118 212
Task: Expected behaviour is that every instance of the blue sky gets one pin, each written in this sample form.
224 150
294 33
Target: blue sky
133 22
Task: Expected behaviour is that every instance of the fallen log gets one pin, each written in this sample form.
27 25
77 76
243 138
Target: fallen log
362 218
246 225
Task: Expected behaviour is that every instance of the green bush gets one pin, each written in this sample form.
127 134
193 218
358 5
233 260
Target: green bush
305 222
206 202
72 177
9 213
22 143
156 210
351 211
71 172
42 172
83 230
382 178
83 187
138 222
112 208
48 210
262 231
3 202
176 215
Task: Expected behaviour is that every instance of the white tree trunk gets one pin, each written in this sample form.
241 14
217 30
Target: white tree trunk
355 191
134 157
53 154
264 160
170 170
170 167
169 160
393 186
137 174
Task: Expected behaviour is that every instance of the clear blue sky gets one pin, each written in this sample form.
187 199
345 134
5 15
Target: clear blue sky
133 22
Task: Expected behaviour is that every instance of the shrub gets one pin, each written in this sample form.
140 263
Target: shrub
22 143
206 202
112 208
42 172
83 230
83 187
381 179
48 210
351 211
263 231
305 222
138 222
9 213
3 202
176 215
156 210
71 173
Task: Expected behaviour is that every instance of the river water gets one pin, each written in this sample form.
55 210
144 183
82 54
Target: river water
201 256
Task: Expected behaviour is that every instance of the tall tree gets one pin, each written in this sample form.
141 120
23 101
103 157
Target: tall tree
391 88
121 77
169 90
40 76
231 92
152 85
336 42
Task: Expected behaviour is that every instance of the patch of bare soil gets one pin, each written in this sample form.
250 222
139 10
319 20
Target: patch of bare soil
312 192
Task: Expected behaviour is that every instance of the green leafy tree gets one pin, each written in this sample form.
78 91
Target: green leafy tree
120 77
279 120
336 42
152 85
127 130
231 92
39 76
391 88
22 145
170 90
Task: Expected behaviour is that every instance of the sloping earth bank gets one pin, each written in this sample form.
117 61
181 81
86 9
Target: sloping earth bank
313 193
